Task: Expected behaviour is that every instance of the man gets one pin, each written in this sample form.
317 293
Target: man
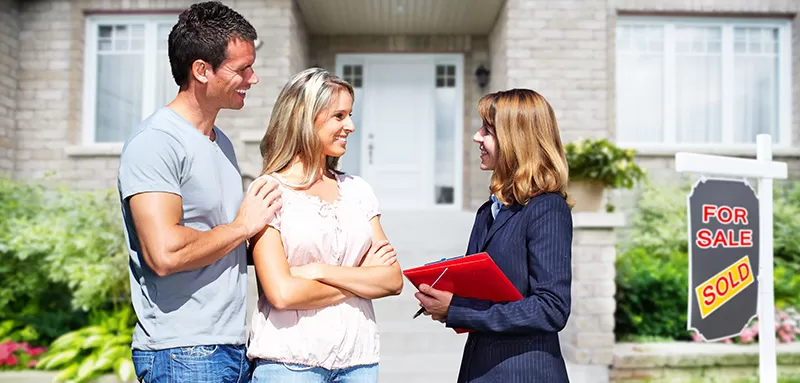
185 216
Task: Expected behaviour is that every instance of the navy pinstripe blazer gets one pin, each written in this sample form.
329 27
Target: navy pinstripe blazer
518 341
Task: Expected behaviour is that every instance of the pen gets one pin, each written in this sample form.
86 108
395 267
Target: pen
422 309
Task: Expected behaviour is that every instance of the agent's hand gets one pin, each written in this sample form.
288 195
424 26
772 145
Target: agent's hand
261 201
435 302
381 253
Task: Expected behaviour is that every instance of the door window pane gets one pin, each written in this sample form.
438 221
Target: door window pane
444 167
353 74
350 162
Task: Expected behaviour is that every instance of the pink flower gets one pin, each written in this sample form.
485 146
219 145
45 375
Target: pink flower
785 336
32 364
746 335
696 337
35 351
727 341
12 360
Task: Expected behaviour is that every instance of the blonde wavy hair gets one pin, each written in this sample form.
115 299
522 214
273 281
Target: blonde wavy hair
531 158
291 134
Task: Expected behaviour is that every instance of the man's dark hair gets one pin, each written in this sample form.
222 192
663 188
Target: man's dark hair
203 32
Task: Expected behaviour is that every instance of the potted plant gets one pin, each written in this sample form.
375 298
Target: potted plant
597 164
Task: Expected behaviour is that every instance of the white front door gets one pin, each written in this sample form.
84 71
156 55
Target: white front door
395 145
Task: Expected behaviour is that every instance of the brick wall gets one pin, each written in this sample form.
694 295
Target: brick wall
281 54
51 81
9 46
558 48
476 52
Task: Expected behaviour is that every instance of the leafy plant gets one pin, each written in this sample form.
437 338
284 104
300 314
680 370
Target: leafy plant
62 253
600 160
33 307
103 347
18 356
13 331
651 294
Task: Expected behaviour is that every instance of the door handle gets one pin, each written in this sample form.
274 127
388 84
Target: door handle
369 148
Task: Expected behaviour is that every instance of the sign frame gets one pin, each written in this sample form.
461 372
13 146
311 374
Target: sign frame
765 170
691 232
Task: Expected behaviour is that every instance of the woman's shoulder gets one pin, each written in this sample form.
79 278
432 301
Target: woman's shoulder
548 203
267 177
354 182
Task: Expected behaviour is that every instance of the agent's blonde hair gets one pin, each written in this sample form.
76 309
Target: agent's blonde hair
291 135
531 158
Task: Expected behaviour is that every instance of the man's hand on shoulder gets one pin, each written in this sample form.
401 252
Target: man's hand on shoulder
261 201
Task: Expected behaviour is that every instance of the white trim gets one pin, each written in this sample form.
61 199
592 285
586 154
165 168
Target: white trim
89 81
660 150
112 149
442 58
729 166
785 82
151 23
727 25
589 220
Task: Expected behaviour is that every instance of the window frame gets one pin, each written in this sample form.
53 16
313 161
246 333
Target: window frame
727 25
90 40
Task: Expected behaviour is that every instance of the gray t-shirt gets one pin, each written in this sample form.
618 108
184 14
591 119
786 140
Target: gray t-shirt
165 153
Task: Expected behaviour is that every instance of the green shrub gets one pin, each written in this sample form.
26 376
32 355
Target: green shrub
62 254
651 295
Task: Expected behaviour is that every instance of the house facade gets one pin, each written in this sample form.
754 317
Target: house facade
658 76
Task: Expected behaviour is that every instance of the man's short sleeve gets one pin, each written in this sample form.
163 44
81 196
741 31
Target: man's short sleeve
151 162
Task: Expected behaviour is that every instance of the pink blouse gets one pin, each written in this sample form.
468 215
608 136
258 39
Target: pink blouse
313 230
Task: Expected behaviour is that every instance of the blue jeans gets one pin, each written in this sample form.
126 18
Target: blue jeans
196 364
267 371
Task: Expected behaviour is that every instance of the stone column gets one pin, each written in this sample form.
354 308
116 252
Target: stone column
589 335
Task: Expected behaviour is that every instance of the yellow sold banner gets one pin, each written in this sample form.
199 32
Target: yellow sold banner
719 289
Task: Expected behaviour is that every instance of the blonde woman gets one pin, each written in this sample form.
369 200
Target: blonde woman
324 256
526 227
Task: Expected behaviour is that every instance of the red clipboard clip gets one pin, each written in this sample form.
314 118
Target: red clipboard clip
473 276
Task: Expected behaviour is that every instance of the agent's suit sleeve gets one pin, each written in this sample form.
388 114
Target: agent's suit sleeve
549 248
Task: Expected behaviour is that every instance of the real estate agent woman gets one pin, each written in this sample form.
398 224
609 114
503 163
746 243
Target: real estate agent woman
526 227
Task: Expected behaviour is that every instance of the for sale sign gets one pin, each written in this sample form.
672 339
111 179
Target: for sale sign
723 257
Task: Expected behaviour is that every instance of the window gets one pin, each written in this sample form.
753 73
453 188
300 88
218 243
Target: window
691 81
354 74
126 74
445 76
445 167
351 161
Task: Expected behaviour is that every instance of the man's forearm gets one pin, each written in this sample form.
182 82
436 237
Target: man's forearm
190 249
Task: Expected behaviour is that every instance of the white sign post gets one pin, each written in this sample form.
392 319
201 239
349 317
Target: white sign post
765 170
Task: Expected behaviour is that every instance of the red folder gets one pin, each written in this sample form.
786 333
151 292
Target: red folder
471 276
